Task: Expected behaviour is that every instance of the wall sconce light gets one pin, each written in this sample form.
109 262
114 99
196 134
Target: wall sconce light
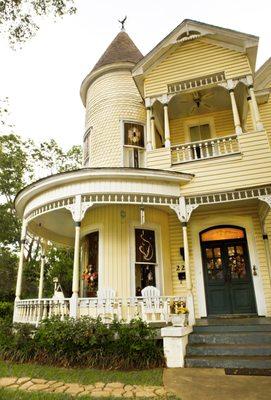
181 273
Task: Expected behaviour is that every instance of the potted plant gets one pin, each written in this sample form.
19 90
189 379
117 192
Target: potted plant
179 313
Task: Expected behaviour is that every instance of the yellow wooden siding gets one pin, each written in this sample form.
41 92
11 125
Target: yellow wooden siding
252 168
194 59
223 123
158 158
116 227
265 112
176 241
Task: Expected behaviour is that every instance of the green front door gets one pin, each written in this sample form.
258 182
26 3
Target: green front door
227 275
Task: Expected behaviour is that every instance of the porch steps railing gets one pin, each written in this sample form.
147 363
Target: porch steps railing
205 149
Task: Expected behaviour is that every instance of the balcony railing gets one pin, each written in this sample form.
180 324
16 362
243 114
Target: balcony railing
123 309
205 149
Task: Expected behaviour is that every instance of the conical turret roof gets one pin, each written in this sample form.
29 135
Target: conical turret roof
121 49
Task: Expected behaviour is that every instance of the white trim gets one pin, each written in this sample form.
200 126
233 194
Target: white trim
159 269
94 228
196 121
245 222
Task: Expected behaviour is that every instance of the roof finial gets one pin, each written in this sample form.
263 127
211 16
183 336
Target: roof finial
122 22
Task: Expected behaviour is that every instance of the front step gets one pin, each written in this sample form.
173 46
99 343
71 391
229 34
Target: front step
228 350
230 338
228 362
232 343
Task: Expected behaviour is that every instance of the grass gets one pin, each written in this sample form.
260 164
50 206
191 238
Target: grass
84 376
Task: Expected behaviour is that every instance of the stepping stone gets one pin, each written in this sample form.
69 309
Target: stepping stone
23 380
115 385
128 394
74 389
38 380
99 385
4 382
38 387
26 385
99 393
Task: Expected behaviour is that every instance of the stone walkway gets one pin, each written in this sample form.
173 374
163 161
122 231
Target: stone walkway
213 384
99 389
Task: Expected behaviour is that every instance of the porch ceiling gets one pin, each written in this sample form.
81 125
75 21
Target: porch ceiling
211 100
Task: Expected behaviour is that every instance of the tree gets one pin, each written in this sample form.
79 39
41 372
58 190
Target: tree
19 19
17 161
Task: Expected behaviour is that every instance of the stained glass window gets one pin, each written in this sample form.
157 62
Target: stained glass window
133 134
222 233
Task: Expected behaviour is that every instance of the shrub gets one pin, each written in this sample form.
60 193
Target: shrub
84 342
6 310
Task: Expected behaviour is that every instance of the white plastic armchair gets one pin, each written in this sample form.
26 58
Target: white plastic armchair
107 306
153 307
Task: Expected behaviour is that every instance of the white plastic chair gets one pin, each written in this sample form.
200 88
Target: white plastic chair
153 307
107 307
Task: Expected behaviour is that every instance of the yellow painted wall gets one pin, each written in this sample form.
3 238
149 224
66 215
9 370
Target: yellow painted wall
194 59
111 98
115 222
176 241
223 123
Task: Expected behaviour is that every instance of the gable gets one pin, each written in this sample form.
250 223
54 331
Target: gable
191 60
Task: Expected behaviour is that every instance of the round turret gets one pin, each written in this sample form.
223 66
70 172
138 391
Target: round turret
111 99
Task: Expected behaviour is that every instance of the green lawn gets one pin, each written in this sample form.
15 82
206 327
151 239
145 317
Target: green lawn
80 375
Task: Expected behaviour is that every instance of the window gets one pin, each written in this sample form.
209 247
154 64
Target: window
145 259
91 272
134 145
222 233
200 132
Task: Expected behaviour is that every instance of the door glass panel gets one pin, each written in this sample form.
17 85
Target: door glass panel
237 264
214 264
195 134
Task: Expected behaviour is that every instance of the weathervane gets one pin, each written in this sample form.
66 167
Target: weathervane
122 23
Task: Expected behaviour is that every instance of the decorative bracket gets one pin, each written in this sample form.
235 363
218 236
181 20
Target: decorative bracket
183 211
78 208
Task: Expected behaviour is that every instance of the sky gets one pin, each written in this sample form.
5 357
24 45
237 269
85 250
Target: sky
42 80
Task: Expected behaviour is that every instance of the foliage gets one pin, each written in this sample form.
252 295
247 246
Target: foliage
19 19
20 163
6 310
85 342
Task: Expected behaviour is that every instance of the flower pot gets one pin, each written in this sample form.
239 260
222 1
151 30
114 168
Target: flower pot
179 319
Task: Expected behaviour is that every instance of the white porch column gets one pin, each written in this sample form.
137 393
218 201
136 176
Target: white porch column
166 125
258 122
18 291
42 264
149 134
76 266
236 118
252 112
153 131
190 300
21 262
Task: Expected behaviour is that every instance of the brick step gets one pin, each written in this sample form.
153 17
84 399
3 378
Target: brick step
230 338
228 350
259 362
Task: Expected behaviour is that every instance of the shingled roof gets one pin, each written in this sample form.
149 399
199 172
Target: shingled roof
121 49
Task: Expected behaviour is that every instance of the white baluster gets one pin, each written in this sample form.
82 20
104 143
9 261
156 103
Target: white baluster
230 143
200 150
212 148
206 144
218 147
195 152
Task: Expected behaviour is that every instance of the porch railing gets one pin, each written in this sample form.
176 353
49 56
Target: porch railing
205 149
34 310
149 309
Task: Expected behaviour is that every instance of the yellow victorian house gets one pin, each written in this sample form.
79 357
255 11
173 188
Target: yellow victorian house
173 200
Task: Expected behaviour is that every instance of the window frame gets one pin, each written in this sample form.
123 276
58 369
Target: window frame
125 146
